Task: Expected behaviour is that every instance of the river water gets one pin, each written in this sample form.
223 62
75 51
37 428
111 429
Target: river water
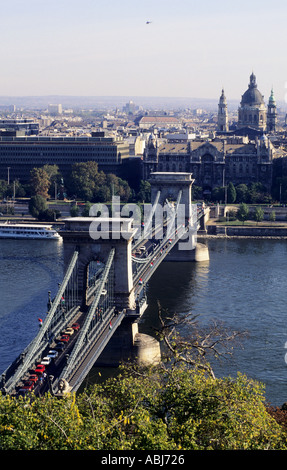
243 286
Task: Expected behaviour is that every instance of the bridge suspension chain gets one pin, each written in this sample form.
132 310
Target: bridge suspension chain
81 345
34 347
148 223
167 236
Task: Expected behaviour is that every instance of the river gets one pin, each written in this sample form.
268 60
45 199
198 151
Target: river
243 286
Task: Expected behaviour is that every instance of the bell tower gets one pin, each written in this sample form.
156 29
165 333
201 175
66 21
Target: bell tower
271 113
222 121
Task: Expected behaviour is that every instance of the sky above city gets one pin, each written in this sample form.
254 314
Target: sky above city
191 48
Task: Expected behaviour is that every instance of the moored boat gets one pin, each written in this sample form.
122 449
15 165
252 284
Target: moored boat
26 231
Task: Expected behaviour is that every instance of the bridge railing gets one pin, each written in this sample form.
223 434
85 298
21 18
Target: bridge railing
87 334
149 265
39 343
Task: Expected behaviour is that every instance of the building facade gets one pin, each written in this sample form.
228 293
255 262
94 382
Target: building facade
22 154
214 163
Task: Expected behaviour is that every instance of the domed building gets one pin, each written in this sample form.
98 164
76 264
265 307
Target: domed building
253 116
252 111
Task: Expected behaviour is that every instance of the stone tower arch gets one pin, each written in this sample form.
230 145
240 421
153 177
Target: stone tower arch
80 234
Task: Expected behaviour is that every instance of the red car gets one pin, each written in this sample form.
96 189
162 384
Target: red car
28 385
33 378
65 338
39 369
76 326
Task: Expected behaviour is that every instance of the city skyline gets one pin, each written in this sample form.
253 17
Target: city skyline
95 48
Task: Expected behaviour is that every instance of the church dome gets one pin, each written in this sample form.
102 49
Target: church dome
252 96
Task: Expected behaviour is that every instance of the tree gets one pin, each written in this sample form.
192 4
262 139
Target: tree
3 188
82 181
258 214
243 212
157 408
231 193
241 193
40 182
37 204
54 176
86 210
144 194
258 194
196 192
272 216
49 215
117 187
74 211
218 194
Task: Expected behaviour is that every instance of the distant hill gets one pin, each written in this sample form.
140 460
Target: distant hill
108 102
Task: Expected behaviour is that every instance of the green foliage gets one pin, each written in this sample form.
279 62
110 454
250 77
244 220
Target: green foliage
231 193
86 210
3 188
241 193
40 182
88 184
144 194
196 192
257 194
74 211
37 204
153 409
49 215
258 214
218 194
254 193
243 212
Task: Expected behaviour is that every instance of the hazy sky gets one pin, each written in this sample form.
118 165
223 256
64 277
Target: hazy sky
104 47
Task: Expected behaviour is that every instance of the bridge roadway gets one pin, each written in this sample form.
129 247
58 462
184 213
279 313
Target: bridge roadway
57 365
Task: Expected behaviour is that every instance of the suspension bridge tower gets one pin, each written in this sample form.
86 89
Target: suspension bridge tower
93 238
175 188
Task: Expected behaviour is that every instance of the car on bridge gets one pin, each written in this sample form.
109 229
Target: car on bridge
76 326
40 369
28 385
46 360
52 354
60 346
65 338
69 331
34 378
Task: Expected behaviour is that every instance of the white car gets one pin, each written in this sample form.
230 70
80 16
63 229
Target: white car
52 354
69 331
46 360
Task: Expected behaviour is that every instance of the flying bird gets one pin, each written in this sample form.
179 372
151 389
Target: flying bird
148 22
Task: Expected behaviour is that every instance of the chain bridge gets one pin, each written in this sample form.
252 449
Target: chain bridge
108 262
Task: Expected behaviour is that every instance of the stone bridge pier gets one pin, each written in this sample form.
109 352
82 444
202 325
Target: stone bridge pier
94 238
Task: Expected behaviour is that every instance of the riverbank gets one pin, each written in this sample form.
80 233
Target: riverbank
276 230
